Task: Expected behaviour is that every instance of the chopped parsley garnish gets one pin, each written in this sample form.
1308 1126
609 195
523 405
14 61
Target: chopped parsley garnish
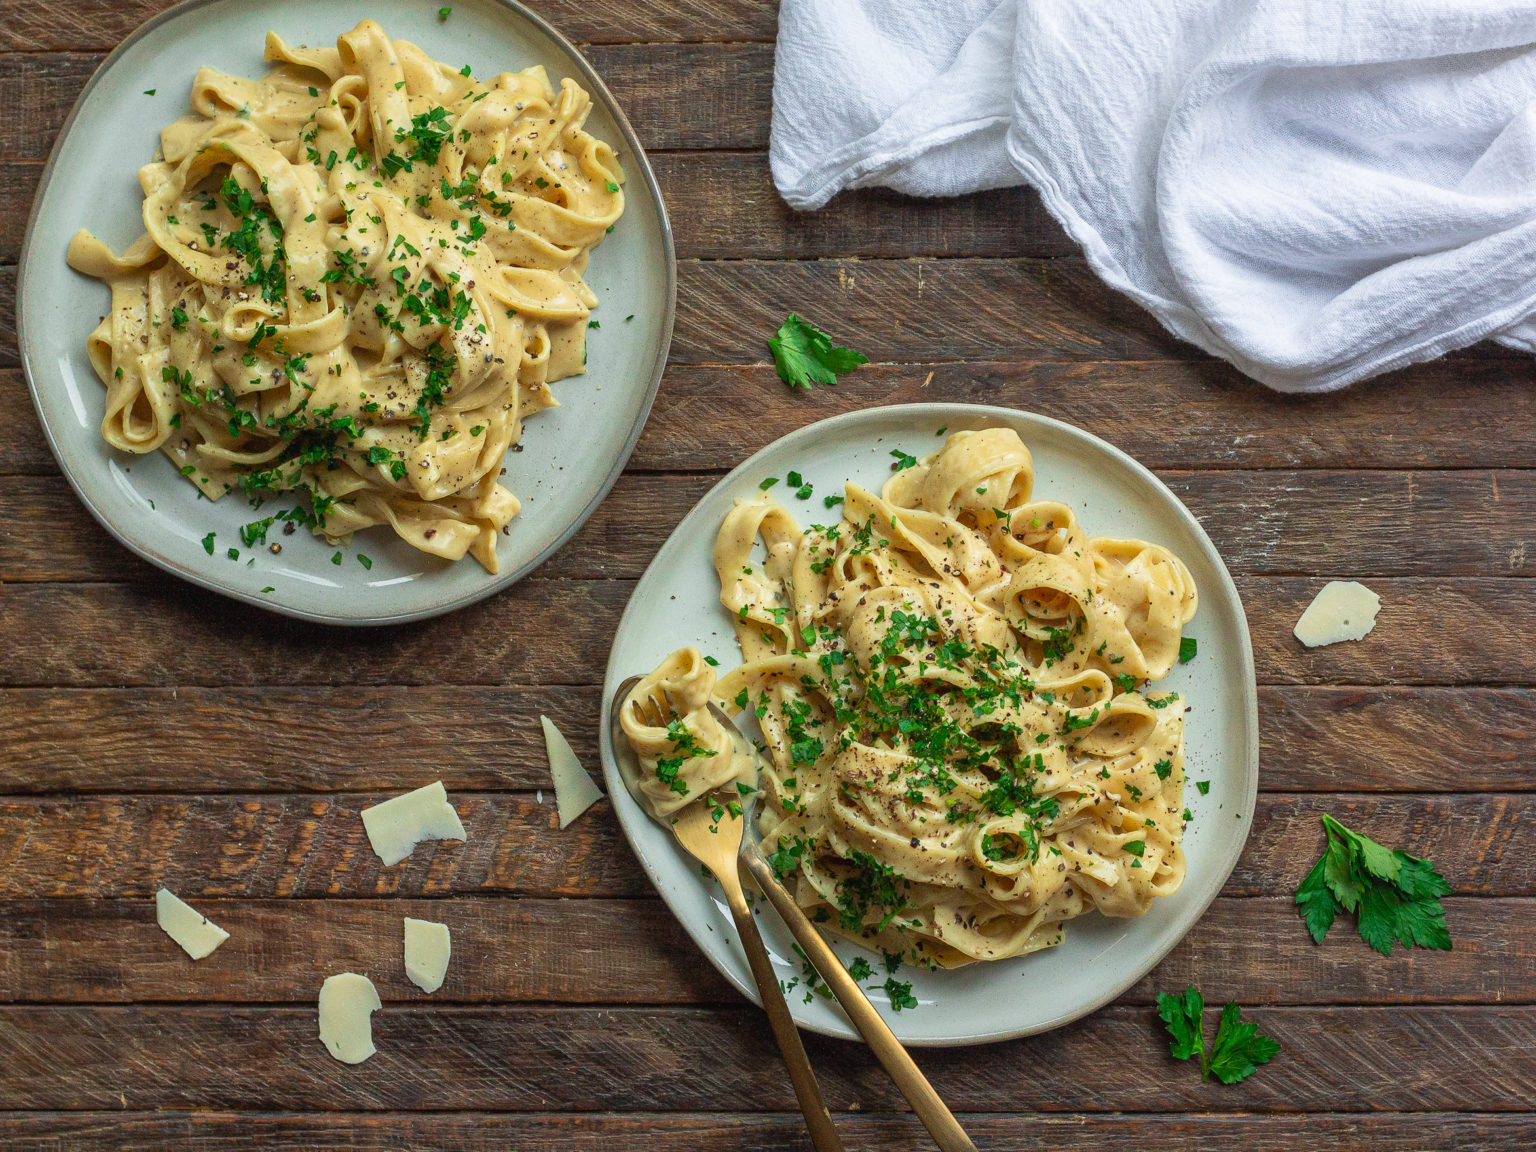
208 543
1187 649
900 993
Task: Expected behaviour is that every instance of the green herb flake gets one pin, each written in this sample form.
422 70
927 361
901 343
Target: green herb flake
900 992
1187 649
208 539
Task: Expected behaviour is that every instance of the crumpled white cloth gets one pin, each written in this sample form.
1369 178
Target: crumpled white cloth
1317 190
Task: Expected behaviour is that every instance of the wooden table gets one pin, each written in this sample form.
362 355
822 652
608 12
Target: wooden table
151 733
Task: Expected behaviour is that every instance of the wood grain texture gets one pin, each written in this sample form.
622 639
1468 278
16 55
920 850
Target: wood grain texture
1362 523
313 847
548 631
1168 414
529 950
722 205
918 310
710 1132
62 740
154 734
98 25
668 1059
893 310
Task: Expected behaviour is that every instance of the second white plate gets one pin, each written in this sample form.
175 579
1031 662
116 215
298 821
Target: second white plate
677 602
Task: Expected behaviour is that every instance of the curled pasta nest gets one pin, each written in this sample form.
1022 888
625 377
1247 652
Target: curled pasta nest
952 683
359 275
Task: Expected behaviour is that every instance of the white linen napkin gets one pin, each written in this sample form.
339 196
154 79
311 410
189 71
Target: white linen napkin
1317 190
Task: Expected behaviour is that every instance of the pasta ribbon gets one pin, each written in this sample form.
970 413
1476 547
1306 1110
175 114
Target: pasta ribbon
952 683
359 275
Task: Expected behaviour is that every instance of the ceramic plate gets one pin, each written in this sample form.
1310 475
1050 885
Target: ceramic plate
571 454
677 603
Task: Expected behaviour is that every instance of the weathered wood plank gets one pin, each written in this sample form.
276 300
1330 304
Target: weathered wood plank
268 846
559 631
634 952
1320 739
913 310
538 632
888 309
306 846
504 951
538 1059
1397 739
723 206
676 95
98 25
1190 413
1264 523
285 739
1453 413
118 1131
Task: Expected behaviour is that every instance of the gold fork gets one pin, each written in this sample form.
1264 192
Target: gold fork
712 834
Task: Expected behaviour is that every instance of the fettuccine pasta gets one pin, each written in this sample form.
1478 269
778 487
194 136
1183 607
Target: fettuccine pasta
359 275
952 683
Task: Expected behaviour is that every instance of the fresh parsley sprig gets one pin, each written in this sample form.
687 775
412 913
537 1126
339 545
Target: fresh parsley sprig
805 355
1239 1048
1392 895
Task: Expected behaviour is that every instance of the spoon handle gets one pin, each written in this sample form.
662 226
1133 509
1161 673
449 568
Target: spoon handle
817 1119
931 1110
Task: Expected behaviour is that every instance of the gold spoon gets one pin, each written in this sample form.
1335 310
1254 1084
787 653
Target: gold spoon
712 834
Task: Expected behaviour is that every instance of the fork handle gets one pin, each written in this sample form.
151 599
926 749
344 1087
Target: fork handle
930 1109
817 1119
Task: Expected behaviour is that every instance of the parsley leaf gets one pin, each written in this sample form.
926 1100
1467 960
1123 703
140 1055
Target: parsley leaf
1239 1048
805 355
1394 897
1318 907
1182 1016
1187 649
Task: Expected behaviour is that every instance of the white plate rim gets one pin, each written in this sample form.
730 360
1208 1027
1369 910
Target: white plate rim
639 161
631 816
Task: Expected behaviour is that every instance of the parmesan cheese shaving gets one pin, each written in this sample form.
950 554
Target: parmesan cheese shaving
574 790
396 826
347 1004
1343 610
184 924
427 949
